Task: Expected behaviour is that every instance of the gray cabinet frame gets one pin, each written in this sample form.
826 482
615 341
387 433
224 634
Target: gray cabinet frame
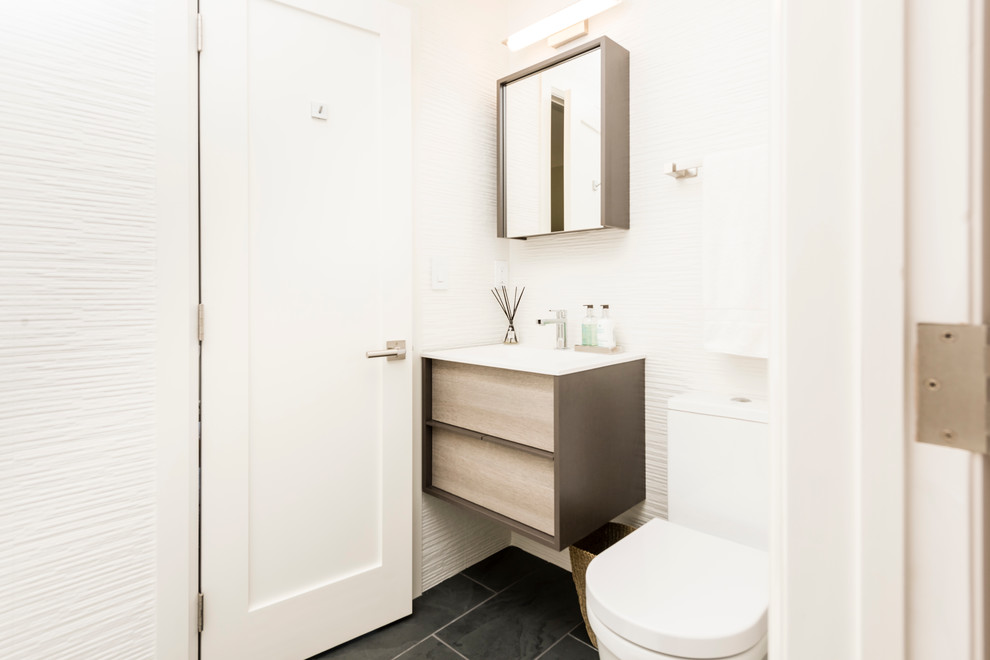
599 450
615 133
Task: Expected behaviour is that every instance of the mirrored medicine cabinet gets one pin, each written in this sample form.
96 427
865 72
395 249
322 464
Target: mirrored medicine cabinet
563 143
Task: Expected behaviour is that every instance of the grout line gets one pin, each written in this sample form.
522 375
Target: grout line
506 588
581 641
459 654
550 647
464 614
434 633
412 647
494 594
571 633
479 583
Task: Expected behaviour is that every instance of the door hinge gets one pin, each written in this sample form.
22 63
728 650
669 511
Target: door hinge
199 321
199 615
953 365
199 33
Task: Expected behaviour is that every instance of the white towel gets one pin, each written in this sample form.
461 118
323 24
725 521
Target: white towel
736 251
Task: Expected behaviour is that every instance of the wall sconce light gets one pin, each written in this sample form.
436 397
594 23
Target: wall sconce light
566 25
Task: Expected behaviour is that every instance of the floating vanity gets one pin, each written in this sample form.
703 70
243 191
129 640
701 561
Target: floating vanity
548 442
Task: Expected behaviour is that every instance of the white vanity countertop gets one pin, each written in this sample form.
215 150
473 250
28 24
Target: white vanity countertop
516 357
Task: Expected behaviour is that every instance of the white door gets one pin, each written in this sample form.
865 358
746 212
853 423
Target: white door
305 232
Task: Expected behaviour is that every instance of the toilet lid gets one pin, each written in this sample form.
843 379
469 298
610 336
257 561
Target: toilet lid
681 592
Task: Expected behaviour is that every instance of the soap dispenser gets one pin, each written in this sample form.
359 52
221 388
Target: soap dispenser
589 328
606 330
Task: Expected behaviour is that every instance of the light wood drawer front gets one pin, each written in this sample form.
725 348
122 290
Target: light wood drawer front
515 483
514 405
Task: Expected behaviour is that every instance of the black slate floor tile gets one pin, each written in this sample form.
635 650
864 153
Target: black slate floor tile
581 633
430 649
503 568
520 622
570 649
432 610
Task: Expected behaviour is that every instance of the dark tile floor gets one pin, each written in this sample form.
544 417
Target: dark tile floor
511 606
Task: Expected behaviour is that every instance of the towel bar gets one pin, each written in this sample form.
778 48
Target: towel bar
684 169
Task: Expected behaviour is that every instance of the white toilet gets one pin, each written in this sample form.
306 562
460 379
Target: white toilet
698 585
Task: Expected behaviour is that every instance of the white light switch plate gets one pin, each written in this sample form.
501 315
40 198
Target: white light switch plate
439 271
501 273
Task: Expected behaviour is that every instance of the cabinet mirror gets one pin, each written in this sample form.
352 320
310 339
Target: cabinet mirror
563 161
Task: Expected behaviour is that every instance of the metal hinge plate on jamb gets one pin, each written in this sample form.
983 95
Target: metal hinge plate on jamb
199 33
199 322
199 616
953 365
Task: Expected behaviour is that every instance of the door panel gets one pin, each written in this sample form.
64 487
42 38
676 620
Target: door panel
304 199
306 513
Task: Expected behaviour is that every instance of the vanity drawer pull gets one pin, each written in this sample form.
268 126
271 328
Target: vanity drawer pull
490 438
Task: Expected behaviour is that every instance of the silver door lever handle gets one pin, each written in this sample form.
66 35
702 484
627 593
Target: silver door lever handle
394 350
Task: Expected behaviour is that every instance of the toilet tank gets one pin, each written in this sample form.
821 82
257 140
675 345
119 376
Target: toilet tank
718 466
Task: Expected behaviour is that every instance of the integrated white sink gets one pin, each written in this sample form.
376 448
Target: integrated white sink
516 357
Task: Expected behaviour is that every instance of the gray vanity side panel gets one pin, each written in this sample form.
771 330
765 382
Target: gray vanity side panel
600 448
615 134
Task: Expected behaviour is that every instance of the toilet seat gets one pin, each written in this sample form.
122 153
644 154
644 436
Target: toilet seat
681 593
613 647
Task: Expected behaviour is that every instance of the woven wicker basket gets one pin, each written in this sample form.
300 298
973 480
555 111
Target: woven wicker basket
587 549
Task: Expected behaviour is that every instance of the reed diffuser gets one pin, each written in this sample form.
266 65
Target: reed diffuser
509 308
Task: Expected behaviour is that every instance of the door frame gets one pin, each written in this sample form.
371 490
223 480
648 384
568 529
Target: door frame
947 488
848 537
177 349
176 118
816 330
837 362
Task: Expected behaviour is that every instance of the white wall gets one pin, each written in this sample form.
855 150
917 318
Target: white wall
177 372
77 329
699 79
457 57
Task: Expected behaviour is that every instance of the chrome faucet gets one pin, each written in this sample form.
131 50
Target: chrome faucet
560 320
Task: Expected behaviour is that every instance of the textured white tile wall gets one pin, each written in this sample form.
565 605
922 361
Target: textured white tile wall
77 323
699 76
457 57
